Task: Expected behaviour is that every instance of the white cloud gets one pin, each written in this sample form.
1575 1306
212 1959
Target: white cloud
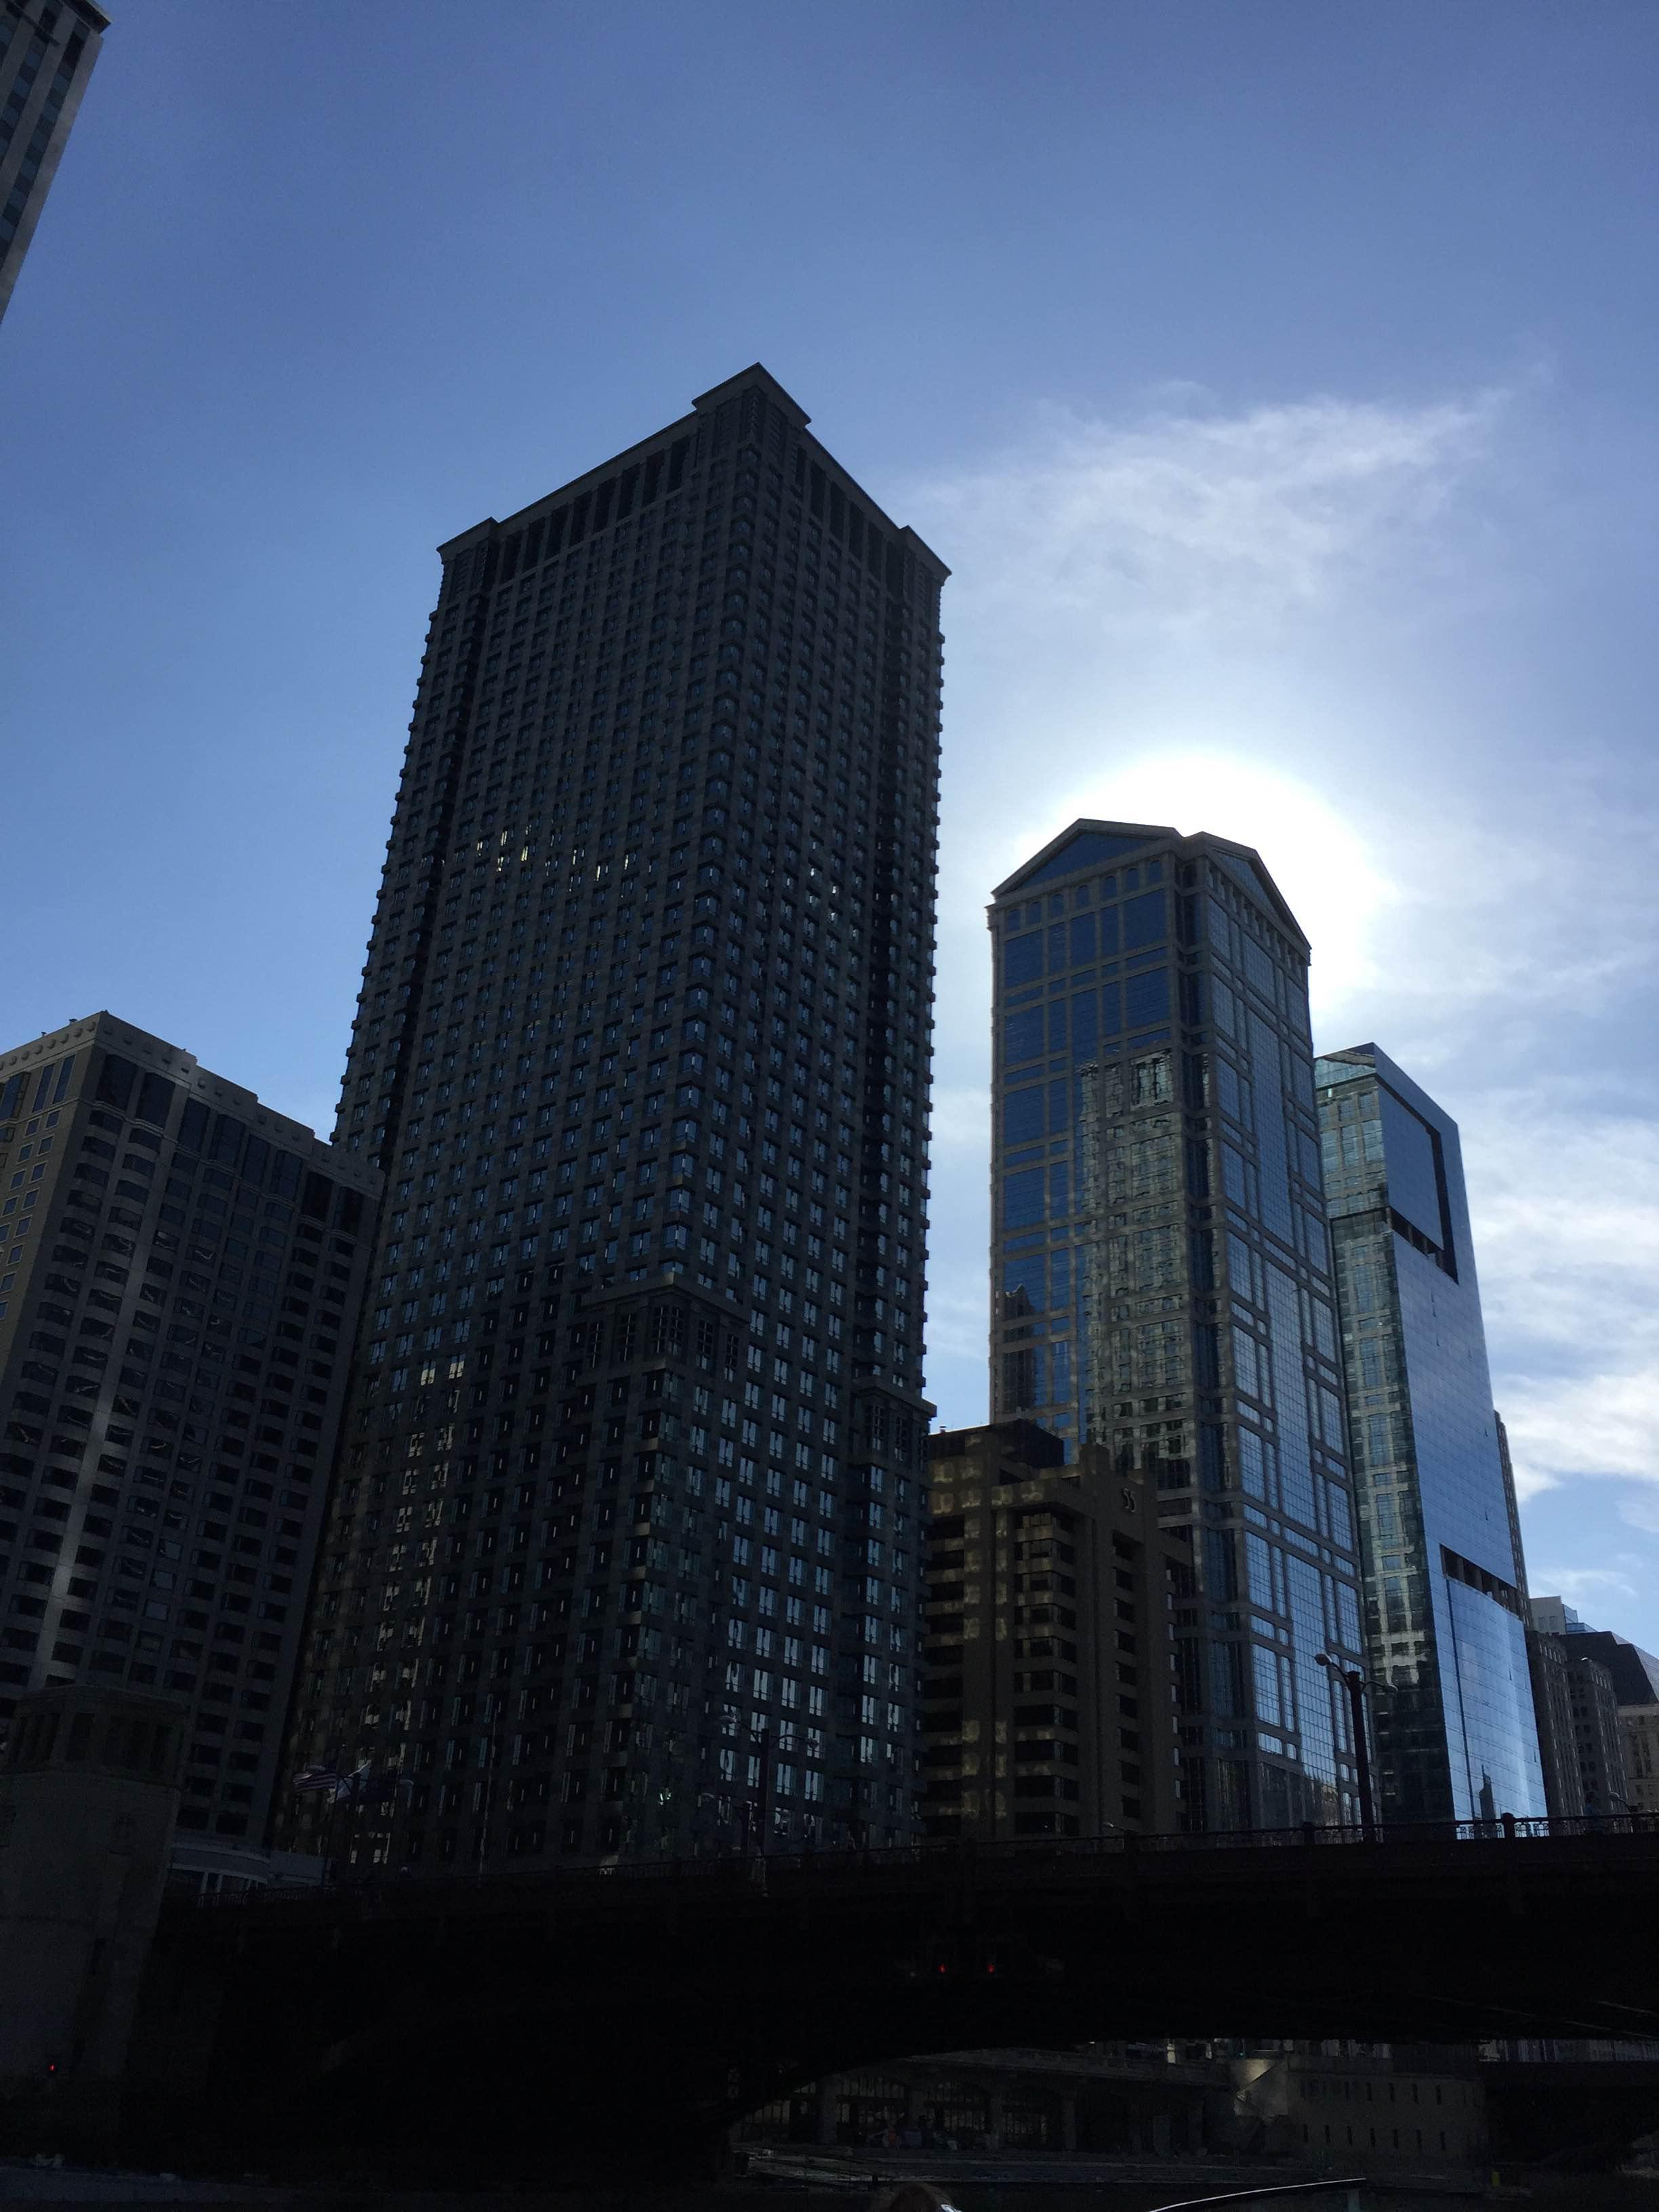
1187 520
1576 1583
1640 1509
1195 616
1566 1208
961 1121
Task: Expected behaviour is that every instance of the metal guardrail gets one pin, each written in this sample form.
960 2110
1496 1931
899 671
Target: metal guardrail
735 1869
1274 2193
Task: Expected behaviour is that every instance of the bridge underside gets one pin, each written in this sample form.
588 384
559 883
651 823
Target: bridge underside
545 2018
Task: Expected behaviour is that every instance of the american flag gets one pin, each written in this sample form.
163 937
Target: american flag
361 1785
329 1780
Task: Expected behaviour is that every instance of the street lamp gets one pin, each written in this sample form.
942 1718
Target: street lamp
1356 1684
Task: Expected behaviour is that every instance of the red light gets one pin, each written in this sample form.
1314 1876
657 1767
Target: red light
941 1967
990 1966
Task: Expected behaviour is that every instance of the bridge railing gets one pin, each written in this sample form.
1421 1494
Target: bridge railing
736 1869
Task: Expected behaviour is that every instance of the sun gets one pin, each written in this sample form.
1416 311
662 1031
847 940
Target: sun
1334 882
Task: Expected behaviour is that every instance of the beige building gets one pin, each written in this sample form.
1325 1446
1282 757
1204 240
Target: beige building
1377 2104
1638 1732
1046 1690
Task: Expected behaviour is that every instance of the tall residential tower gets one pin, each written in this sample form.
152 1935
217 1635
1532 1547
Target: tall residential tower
1161 1275
624 1548
47 48
1446 1589
180 1272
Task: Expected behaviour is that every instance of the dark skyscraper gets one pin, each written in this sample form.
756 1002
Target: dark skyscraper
47 48
1445 1604
624 1554
1161 1275
180 1271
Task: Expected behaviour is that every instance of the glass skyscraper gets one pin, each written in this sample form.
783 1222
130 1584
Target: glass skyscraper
1445 1588
623 1551
1162 1281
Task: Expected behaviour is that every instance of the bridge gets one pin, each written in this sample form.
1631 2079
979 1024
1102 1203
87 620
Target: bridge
650 2003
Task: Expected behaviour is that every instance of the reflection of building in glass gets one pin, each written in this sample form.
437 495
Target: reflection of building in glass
1444 1584
1050 1590
1162 1273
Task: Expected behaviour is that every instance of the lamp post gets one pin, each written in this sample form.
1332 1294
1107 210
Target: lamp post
1356 1684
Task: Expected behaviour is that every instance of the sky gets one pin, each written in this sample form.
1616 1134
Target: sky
1277 377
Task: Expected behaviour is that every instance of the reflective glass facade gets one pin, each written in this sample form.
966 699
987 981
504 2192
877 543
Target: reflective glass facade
1444 1584
1162 1273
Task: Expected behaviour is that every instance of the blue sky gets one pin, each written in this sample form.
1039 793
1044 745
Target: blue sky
1276 376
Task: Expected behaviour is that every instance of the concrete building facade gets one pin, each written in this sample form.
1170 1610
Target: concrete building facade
625 1546
47 50
1050 1592
89 1780
180 1274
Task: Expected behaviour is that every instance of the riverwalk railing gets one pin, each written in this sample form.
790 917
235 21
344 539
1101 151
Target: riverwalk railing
792 1860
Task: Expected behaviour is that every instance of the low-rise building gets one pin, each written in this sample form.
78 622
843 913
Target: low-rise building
1376 2105
1047 1684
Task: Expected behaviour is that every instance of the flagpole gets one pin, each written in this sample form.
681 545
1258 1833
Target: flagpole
332 1833
488 1799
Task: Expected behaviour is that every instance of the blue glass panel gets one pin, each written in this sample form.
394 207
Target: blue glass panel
1022 1035
1111 1010
1059 1189
1057 948
1083 939
1022 1116
1258 1567
1109 932
1085 1025
1408 1150
1251 1464
1022 1199
1265 1668
1060 1108
1244 873
1145 919
1060 1265
1146 998
1022 1284
1059 1381
1086 850
1021 958
1057 1025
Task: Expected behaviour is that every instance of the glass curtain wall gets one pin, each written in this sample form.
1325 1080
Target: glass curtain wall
1162 1273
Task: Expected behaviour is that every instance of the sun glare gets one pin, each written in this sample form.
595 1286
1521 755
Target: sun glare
1334 882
